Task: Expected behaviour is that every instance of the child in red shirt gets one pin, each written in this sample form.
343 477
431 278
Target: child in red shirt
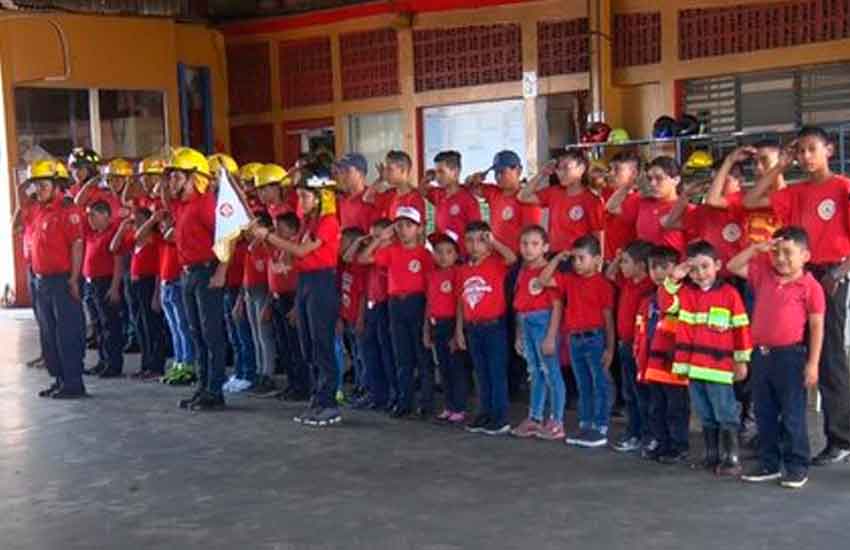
574 210
408 264
630 273
454 206
103 271
396 173
538 310
352 285
481 325
624 170
589 324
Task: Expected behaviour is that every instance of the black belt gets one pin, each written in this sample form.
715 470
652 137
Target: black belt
65 275
485 323
585 333
767 350
198 266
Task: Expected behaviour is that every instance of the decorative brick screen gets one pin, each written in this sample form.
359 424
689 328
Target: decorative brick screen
369 64
741 29
249 78
563 47
306 74
252 143
466 56
637 39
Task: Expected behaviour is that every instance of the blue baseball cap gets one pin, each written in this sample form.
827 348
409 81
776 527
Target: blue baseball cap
506 159
353 160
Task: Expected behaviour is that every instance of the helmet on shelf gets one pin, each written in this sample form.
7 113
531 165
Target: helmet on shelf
664 127
618 136
699 160
688 125
597 132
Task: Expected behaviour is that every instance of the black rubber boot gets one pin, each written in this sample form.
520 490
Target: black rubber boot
731 463
711 437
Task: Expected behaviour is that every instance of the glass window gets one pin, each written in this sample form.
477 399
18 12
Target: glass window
372 135
132 122
52 120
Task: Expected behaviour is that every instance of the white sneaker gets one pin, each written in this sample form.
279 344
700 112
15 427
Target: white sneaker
230 384
240 385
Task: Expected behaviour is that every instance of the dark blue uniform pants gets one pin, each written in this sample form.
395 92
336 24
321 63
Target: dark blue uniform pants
62 330
150 326
376 347
107 319
317 304
205 313
406 317
289 349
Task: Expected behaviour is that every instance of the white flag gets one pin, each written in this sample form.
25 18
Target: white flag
231 217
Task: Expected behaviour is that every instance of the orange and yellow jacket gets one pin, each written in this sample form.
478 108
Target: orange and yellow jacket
712 330
655 339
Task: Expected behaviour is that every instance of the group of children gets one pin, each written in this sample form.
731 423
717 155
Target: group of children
723 307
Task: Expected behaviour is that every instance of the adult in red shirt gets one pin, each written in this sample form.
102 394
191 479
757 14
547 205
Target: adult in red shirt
103 271
625 168
353 211
574 211
820 206
192 205
317 300
508 216
648 212
455 206
395 173
57 257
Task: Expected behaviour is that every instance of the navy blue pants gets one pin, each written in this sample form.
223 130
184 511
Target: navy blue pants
669 417
150 325
62 330
407 314
452 365
780 400
376 349
107 319
289 349
488 345
317 304
205 313
239 336
635 395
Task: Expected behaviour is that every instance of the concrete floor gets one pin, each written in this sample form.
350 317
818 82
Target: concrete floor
127 469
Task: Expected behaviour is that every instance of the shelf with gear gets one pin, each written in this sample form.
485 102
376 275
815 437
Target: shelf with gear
693 147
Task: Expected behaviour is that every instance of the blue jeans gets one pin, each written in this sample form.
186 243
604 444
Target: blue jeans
715 404
171 296
149 325
262 332
406 317
780 400
635 394
669 416
544 370
377 352
205 313
452 369
594 385
317 304
339 361
62 330
488 345
107 319
350 340
289 349
240 338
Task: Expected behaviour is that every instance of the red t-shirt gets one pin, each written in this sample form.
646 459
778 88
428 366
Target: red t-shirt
352 283
570 216
169 267
645 214
325 229
781 310
376 285
453 212
618 232
759 223
407 268
145 260
722 227
98 261
290 203
236 266
283 278
118 210
194 228
354 212
481 289
586 299
388 202
442 301
26 237
508 216
55 229
255 273
530 294
820 209
628 300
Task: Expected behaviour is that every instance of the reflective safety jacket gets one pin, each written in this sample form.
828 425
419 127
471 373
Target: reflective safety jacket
712 330
655 338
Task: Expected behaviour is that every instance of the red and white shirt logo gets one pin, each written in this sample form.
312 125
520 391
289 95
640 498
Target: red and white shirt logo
732 233
474 290
826 209
508 213
446 287
535 287
576 213
414 266
454 210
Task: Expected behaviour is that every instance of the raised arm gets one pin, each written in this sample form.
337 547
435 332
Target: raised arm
503 250
759 195
714 197
548 273
739 264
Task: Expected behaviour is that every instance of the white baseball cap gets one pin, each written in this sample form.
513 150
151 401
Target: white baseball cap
409 213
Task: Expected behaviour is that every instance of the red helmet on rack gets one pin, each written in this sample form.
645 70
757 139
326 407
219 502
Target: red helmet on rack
596 133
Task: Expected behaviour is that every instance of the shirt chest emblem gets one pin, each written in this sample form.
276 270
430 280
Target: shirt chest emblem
826 209
474 290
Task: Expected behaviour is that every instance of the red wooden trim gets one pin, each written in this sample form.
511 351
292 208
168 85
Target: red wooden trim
678 98
326 17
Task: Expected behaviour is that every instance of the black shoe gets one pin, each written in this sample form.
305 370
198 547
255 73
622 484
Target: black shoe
132 347
110 373
96 370
66 394
730 466
673 458
479 423
424 413
760 474
186 403
208 402
50 390
831 455
711 438
496 428
794 480
651 450
399 412
38 362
